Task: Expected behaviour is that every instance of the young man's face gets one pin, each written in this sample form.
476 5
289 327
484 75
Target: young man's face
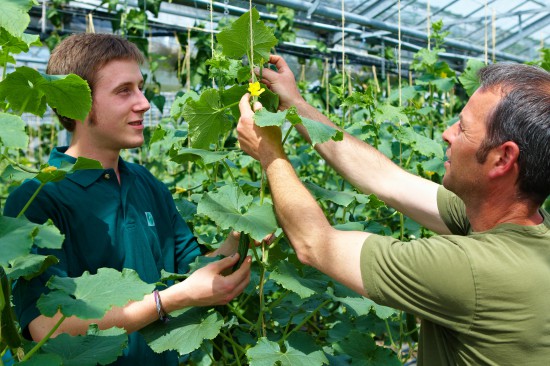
116 119
463 173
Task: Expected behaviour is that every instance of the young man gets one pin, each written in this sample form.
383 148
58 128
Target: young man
480 287
120 216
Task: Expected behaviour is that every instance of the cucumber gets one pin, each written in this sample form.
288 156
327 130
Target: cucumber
244 242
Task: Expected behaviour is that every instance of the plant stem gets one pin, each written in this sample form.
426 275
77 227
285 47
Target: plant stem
278 301
239 315
260 324
232 342
22 167
42 184
305 320
43 340
229 171
262 187
287 134
389 333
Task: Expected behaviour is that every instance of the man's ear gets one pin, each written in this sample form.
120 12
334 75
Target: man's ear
505 158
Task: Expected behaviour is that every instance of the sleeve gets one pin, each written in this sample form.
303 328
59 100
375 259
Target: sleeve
26 292
453 212
431 278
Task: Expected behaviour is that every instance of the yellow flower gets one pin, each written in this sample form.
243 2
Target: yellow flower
180 190
49 169
254 89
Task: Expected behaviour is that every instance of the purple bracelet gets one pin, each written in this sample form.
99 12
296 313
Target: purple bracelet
163 317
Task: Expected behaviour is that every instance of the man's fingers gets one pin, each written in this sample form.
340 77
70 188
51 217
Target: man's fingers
244 106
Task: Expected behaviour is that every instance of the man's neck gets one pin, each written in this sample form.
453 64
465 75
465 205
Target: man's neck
107 158
500 207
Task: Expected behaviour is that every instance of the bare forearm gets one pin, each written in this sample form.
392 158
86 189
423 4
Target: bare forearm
294 204
336 253
132 317
370 171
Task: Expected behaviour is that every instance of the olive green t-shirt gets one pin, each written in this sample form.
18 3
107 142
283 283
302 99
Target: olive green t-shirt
483 297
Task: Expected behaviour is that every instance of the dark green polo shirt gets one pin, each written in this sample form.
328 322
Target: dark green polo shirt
134 224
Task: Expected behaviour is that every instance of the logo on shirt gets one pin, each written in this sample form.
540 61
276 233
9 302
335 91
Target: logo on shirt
150 220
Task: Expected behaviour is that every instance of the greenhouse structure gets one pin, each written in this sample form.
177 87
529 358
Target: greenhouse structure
282 182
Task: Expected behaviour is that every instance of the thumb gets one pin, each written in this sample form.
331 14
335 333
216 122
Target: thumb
257 106
226 263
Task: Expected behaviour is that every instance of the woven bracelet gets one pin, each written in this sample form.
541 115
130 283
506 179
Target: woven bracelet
163 317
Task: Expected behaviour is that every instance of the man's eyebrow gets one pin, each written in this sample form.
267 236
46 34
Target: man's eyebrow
129 83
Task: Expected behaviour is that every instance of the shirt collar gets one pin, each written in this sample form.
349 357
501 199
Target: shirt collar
84 177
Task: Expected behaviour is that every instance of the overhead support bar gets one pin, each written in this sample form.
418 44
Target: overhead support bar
533 27
336 14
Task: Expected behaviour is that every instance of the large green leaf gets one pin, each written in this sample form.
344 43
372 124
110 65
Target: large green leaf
359 305
419 143
27 90
268 353
207 119
12 131
264 118
18 235
235 40
91 296
364 351
319 132
70 95
230 208
185 332
189 154
30 266
386 112
340 198
43 359
469 79
14 16
305 283
21 90
49 237
97 347
14 45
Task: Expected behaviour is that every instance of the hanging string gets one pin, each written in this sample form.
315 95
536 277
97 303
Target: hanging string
494 31
399 48
212 36
251 41
90 23
211 8
375 79
327 86
343 48
486 35
343 57
428 24
188 60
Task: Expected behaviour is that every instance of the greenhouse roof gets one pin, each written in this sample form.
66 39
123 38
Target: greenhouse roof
485 29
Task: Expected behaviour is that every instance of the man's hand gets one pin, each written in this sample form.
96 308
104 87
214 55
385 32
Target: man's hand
262 143
282 82
207 286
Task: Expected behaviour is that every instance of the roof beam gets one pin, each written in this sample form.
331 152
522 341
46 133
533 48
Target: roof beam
524 32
